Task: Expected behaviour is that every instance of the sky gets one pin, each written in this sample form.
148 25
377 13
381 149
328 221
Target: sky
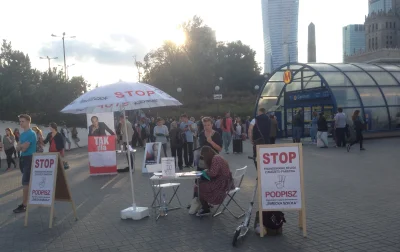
109 33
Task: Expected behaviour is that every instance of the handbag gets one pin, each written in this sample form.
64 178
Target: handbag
260 140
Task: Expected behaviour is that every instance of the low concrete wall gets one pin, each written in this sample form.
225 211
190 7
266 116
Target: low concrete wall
82 134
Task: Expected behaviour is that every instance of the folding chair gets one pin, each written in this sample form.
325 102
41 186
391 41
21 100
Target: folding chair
160 186
237 182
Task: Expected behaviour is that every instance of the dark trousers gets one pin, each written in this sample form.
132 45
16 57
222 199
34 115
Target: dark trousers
132 157
164 146
359 139
340 137
9 154
188 153
176 152
272 140
17 152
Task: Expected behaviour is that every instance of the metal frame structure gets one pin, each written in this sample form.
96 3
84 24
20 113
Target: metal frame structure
346 72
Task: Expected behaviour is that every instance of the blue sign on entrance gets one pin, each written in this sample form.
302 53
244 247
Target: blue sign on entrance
308 95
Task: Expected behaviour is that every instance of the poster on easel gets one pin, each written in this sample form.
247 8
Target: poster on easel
48 183
281 180
101 144
152 155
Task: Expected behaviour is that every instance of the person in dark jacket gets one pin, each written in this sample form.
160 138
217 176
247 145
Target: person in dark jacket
261 130
99 128
358 124
298 126
322 133
56 141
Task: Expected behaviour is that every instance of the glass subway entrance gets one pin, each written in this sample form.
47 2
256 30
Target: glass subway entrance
318 100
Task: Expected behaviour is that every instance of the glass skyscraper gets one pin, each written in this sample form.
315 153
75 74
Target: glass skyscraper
353 39
379 5
280 26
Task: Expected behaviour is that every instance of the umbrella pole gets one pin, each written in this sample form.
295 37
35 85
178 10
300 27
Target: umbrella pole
129 164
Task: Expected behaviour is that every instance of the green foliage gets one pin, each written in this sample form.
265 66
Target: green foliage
197 66
40 94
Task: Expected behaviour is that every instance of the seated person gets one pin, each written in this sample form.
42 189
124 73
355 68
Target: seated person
213 191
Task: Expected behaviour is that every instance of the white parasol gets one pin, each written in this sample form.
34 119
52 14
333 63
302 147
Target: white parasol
122 96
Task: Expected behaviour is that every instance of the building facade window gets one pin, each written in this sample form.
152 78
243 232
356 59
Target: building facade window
386 25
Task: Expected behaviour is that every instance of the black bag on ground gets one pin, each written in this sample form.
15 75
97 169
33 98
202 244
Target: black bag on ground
272 221
237 145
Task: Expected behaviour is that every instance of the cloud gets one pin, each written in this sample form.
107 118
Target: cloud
118 51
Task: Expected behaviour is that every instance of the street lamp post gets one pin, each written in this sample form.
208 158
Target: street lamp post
48 58
66 69
63 40
179 90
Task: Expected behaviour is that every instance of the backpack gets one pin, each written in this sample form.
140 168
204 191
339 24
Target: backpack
180 138
272 221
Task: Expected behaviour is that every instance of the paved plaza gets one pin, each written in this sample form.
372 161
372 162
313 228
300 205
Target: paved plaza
352 202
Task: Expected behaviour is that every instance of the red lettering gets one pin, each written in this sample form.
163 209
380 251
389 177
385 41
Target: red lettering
140 93
274 156
281 194
292 155
108 106
125 104
150 93
44 163
283 157
119 95
40 192
129 92
266 158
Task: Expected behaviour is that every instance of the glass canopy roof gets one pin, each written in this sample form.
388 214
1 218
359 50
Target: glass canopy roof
372 88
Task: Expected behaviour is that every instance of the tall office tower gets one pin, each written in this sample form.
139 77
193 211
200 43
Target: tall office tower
379 5
312 50
280 25
353 40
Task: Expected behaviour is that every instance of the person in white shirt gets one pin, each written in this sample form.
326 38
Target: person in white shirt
340 128
65 134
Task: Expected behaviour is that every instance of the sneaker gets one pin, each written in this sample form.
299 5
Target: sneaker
348 147
20 209
194 206
203 212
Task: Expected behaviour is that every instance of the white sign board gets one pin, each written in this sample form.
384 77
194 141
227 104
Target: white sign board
43 179
168 166
218 97
280 178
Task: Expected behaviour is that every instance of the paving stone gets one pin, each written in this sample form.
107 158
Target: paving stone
346 194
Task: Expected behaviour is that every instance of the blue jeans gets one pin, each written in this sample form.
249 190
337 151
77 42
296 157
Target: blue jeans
313 133
226 139
297 132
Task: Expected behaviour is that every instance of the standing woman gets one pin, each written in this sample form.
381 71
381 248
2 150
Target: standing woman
9 147
314 127
273 130
160 133
39 139
358 124
16 135
56 141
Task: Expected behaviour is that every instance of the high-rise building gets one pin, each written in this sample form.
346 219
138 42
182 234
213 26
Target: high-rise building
280 25
379 5
312 49
353 39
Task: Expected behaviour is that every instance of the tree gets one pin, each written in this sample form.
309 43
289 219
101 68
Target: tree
197 65
40 94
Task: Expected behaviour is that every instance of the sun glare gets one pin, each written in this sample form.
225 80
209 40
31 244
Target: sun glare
178 37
